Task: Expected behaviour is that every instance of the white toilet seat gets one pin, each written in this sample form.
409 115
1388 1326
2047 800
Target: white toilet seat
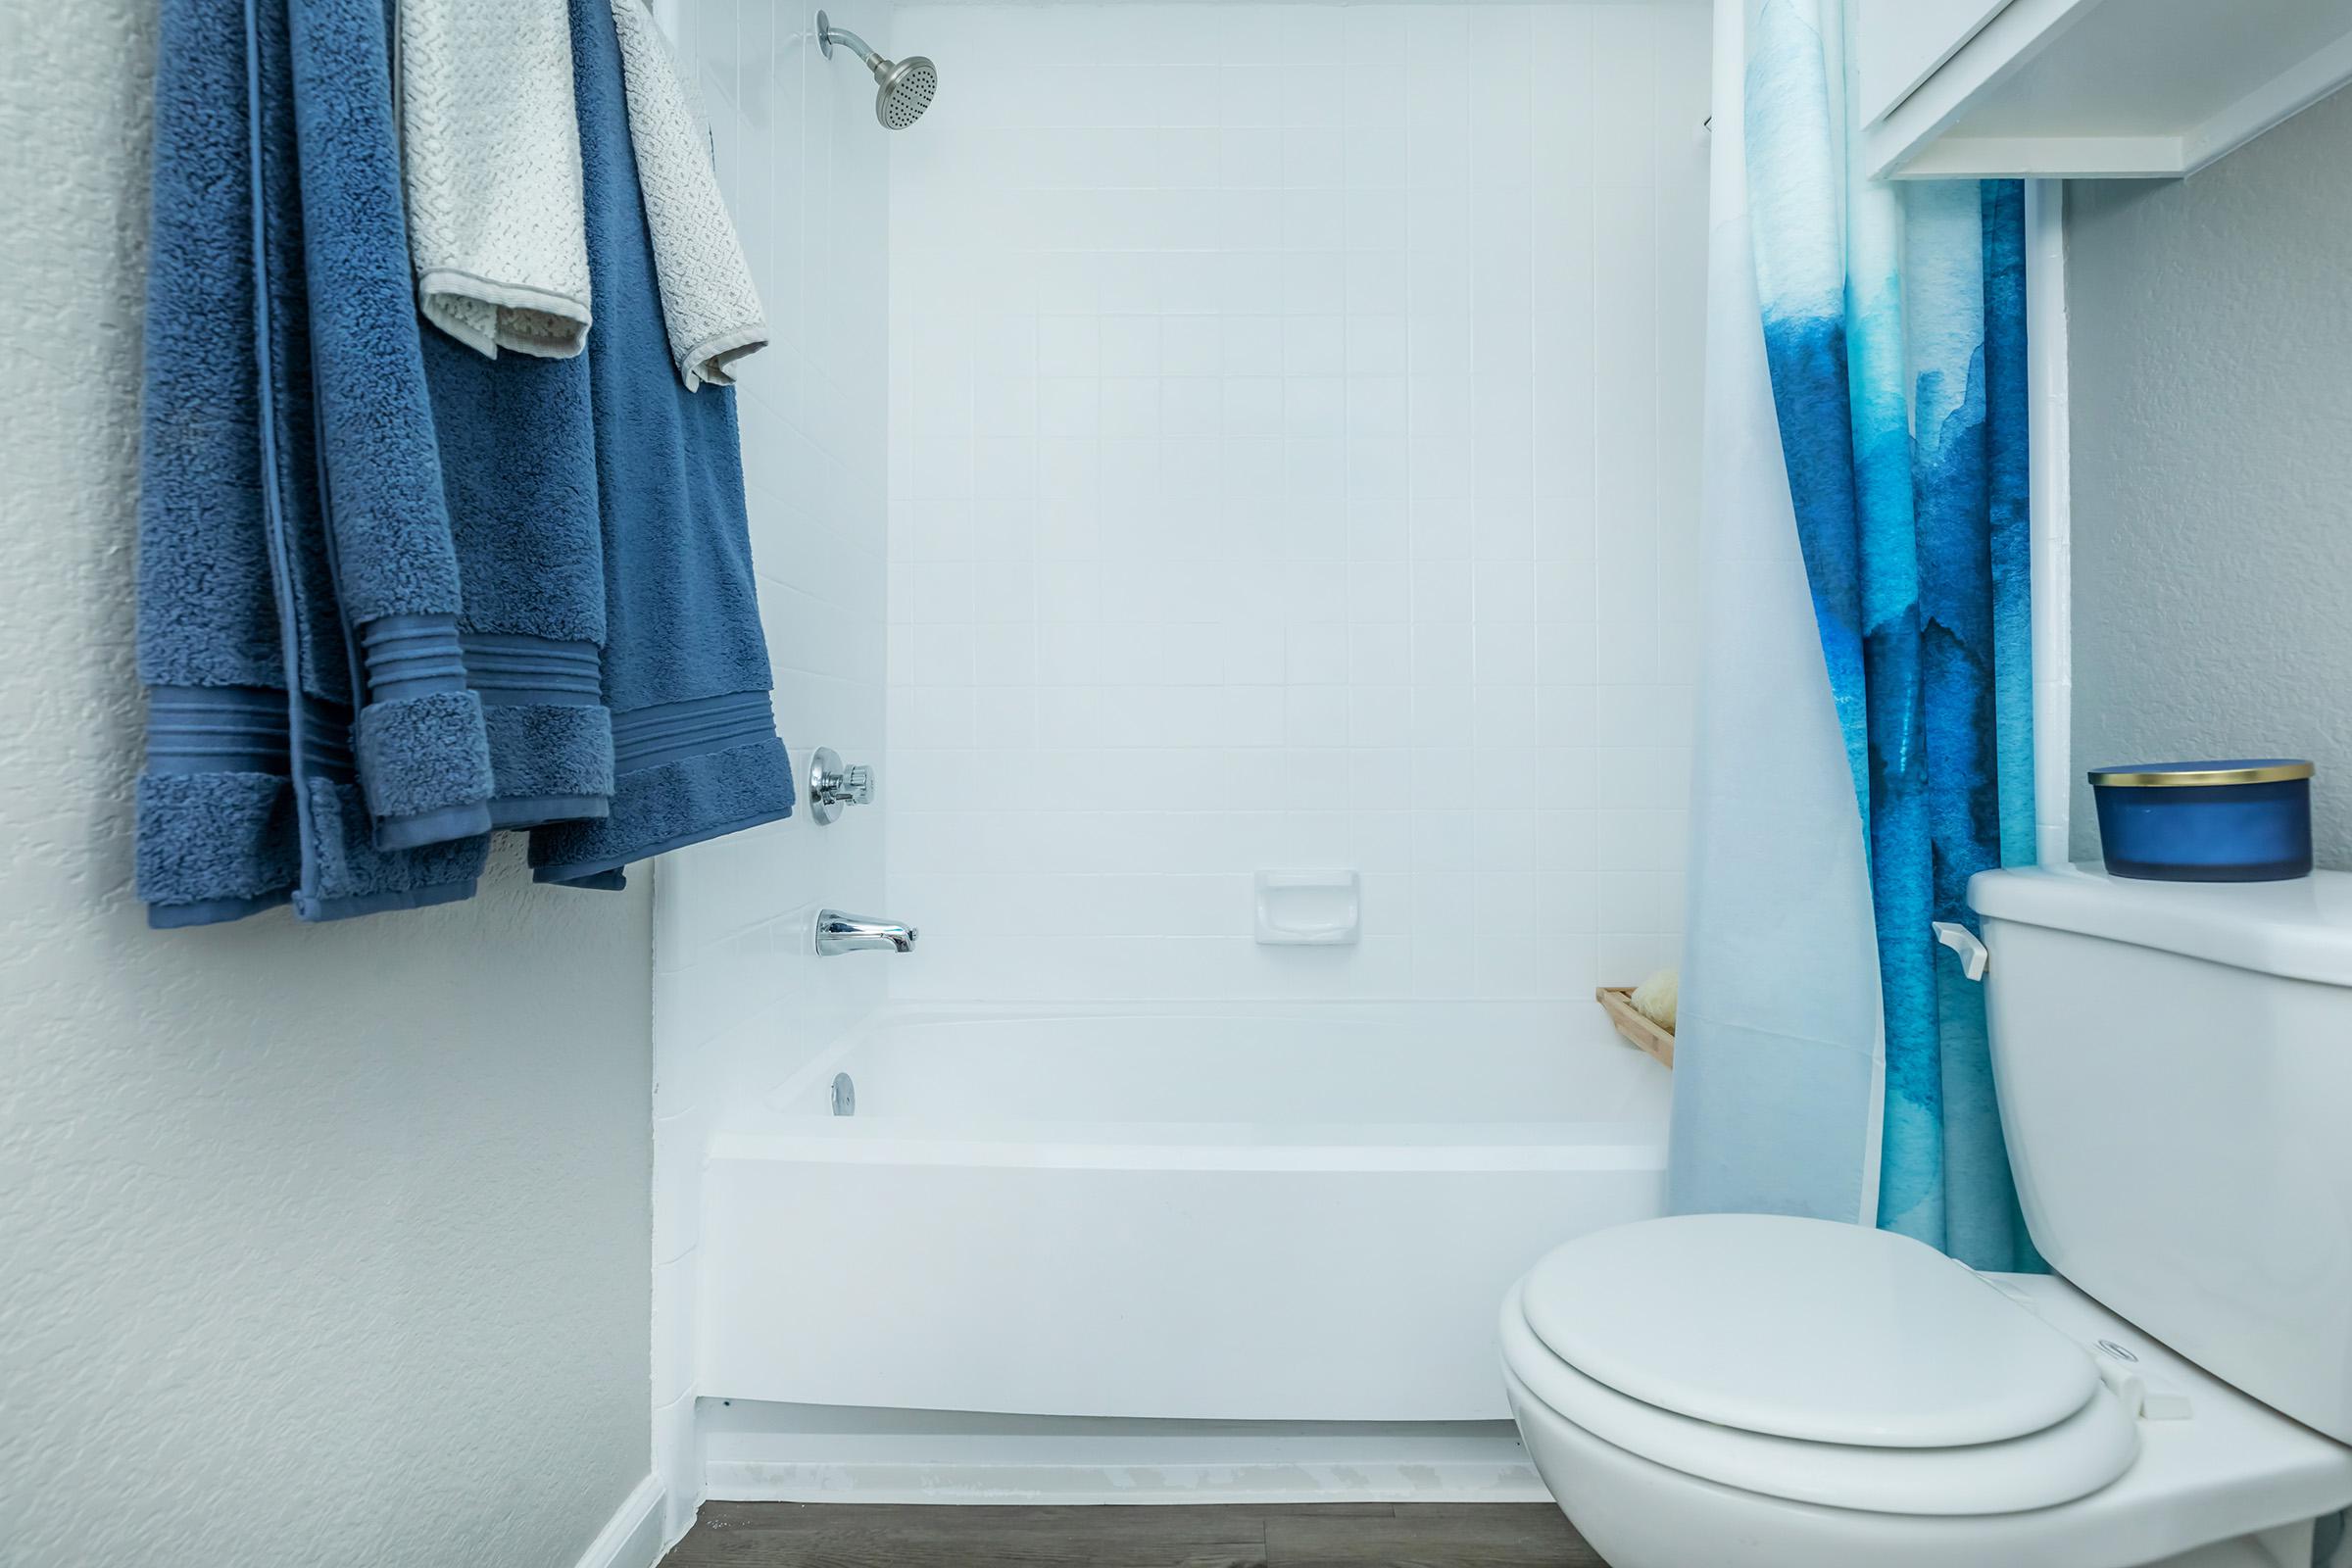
2069 1459
2221 1483
1800 1329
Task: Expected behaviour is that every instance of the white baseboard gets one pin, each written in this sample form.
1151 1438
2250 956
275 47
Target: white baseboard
632 1537
756 1481
760 1452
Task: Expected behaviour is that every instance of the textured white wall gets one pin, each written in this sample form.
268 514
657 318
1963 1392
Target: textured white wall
2211 339
1293 466
326 1245
740 1001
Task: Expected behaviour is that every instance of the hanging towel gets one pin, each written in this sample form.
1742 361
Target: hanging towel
510 513
495 221
686 672
492 173
518 468
250 793
422 756
215 836
708 306
390 765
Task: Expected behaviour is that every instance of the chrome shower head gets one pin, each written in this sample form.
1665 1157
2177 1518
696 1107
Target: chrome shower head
903 88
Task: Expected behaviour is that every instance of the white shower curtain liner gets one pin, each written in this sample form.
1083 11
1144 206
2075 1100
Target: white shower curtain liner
1779 1056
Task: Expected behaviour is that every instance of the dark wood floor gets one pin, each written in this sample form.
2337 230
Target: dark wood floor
826 1535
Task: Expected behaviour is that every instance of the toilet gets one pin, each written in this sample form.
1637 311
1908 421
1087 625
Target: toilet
2175 1068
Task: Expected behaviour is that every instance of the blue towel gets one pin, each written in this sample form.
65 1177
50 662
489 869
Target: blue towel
215 805
386 772
422 756
459 492
686 673
251 792
373 581
518 468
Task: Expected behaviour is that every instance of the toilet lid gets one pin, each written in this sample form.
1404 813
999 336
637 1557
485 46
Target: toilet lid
1804 1329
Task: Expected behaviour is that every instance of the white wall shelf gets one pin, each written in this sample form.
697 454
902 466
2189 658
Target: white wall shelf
2087 88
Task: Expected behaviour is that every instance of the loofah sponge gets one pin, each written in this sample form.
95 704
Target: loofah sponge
1654 999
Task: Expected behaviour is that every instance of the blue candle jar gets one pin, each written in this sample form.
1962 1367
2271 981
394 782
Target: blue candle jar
2245 819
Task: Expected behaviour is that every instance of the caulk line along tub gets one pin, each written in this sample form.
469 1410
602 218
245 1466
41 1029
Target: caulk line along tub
2245 819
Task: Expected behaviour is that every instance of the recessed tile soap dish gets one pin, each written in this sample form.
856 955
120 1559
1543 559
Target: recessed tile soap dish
1310 909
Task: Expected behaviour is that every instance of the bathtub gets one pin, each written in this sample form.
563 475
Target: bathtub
1261 1212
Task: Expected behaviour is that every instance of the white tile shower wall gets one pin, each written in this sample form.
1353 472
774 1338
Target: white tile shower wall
1293 464
739 999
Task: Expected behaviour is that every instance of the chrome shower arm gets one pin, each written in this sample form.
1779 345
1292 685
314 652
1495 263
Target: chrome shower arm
827 35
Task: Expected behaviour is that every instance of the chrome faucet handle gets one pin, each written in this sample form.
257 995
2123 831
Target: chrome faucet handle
832 786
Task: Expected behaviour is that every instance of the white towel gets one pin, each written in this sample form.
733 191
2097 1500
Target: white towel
709 305
491 141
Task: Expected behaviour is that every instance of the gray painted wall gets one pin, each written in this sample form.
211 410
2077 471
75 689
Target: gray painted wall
2212 408
317 1245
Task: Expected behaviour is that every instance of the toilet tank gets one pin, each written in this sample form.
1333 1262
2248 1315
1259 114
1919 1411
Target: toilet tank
2175 1068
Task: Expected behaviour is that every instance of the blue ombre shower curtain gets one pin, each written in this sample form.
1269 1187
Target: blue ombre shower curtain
1892 357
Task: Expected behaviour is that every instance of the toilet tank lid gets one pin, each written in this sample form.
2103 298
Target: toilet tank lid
2299 929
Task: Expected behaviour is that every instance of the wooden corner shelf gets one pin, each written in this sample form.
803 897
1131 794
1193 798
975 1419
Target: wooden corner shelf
1618 1002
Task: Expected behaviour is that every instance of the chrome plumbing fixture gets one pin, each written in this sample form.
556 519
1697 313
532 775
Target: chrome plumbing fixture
831 786
902 88
837 932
